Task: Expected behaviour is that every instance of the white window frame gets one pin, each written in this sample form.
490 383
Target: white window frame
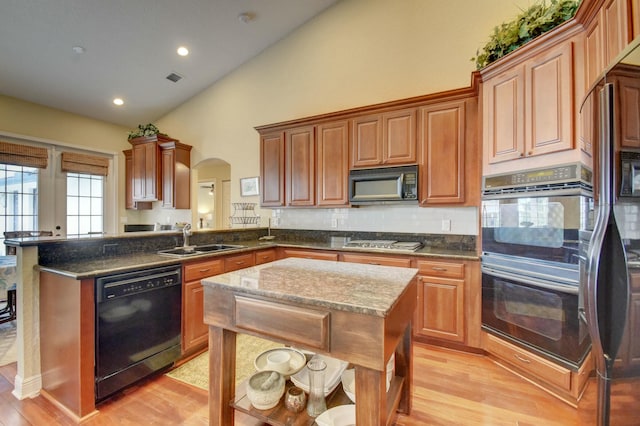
52 209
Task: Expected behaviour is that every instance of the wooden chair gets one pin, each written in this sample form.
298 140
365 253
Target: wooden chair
9 311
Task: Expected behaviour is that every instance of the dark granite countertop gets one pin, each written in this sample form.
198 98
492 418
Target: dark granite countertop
353 287
82 258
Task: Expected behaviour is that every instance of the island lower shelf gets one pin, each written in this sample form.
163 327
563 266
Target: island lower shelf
280 416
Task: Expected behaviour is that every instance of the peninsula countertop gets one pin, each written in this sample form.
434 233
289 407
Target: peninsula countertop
353 287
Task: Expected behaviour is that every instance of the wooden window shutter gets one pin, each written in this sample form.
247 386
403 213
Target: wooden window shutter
84 163
23 155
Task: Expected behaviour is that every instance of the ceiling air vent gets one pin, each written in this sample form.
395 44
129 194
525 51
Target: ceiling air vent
174 77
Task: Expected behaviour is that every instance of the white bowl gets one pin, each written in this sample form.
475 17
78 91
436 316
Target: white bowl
297 361
349 383
342 415
264 389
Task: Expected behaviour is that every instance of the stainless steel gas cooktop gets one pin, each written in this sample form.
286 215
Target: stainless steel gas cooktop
384 245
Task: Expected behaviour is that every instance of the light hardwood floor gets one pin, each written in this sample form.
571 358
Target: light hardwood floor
450 388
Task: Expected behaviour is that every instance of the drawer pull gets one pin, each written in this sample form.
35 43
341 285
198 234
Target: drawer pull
438 268
241 262
522 359
205 270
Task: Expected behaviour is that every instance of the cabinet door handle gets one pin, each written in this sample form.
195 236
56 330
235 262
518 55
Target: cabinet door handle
437 268
205 270
522 359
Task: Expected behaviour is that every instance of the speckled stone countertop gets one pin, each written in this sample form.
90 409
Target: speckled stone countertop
353 287
90 268
82 258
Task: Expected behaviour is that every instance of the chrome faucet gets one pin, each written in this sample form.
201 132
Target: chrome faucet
186 233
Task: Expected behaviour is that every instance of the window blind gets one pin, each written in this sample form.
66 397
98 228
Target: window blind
23 155
84 163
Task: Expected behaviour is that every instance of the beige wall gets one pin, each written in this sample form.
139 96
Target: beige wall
37 122
358 52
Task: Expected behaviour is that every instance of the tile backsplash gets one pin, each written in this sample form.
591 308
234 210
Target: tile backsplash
387 218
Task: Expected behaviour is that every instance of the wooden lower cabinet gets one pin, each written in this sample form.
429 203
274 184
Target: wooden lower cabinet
402 262
448 302
309 254
239 261
562 382
194 330
265 256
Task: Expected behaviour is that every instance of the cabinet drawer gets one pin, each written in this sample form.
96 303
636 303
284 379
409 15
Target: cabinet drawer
291 323
532 364
200 270
440 269
233 263
377 260
265 256
310 254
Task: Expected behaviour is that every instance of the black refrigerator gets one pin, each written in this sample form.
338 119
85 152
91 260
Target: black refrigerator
610 284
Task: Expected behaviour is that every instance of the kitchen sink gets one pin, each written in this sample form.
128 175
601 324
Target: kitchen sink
195 250
217 247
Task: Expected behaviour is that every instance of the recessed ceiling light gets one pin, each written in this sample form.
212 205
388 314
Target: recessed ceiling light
246 17
78 50
183 51
118 101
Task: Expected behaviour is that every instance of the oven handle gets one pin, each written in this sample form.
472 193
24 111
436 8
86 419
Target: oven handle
531 281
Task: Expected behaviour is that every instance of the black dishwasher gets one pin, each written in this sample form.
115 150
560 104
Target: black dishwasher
138 323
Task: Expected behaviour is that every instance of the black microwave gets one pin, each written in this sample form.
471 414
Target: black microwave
630 174
383 185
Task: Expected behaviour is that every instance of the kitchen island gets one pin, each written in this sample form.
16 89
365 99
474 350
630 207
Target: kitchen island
358 313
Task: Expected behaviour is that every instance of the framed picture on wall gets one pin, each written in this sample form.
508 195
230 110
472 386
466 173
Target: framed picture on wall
249 186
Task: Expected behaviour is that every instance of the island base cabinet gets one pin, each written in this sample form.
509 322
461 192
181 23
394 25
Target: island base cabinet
363 339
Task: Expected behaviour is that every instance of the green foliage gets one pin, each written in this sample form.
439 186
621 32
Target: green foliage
144 130
532 22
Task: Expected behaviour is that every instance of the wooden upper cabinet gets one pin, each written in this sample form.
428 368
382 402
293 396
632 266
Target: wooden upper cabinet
627 86
503 112
594 50
176 175
549 98
528 109
384 139
333 164
272 169
589 121
442 166
146 171
300 171
608 33
399 137
128 185
367 141
617 28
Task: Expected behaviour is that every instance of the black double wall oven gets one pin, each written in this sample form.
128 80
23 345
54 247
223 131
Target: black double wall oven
531 227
